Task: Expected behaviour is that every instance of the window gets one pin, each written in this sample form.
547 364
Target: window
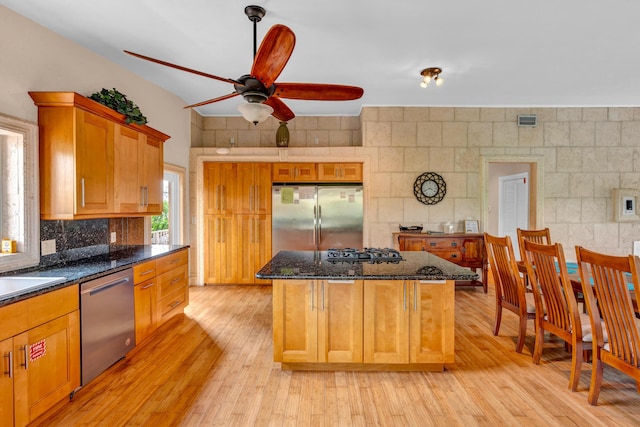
167 227
19 194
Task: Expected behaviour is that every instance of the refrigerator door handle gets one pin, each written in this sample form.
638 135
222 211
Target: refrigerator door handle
315 227
319 224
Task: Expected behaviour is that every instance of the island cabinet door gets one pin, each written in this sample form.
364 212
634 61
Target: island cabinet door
295 321
386 321
340 321
432 321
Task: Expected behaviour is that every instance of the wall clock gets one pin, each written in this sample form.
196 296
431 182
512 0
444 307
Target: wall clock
429 188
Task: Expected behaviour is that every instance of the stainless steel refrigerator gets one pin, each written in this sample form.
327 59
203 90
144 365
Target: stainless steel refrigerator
316 217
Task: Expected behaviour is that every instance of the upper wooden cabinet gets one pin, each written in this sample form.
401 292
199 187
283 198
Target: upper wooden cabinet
342 172
219 188
295 172
253 188
92 163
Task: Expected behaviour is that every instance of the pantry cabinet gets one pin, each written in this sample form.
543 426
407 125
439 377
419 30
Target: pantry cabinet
40 345
237 221
92 163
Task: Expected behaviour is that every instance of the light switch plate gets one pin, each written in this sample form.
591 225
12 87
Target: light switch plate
636 247
113 237
48 247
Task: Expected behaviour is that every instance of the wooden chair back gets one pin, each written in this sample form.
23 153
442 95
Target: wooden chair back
502 261
556 306
509 286
547 272
605 281
542 236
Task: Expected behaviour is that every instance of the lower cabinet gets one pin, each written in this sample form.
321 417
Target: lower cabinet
41 364
378 323
161 291
317 321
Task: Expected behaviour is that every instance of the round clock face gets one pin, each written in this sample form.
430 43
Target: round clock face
429 188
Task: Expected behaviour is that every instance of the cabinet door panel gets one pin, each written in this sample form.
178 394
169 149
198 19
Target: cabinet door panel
340 321
127 159
94 164
295 321
152 174
432 322
220 252
6 381
52 355
219 187
146 309
386 321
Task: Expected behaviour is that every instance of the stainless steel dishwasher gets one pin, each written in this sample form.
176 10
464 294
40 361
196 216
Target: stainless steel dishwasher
106 322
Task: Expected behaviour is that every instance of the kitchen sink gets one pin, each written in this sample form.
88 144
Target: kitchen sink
13 285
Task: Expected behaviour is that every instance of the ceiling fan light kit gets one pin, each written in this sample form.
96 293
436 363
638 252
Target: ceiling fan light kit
431 73
259 88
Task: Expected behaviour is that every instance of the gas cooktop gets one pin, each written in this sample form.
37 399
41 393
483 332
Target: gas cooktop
370 255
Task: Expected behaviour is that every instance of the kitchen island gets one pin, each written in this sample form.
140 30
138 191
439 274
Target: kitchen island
334 314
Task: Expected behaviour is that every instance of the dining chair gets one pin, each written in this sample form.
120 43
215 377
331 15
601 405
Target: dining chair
538 236
604 281
556 307
509 287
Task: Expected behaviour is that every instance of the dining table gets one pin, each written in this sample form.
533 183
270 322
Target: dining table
576 282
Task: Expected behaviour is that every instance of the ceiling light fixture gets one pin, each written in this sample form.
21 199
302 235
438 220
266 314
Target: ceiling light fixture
431 73
255 112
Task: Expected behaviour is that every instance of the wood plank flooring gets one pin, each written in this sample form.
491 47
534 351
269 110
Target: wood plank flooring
213 366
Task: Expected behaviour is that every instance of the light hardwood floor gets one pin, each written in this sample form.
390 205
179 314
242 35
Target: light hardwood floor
213 366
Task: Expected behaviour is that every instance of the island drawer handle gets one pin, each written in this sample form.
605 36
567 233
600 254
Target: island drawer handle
415 296
404 296
323 295
434 282
349 282
311 299
175 303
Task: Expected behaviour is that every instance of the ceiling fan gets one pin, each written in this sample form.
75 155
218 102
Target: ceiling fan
259 88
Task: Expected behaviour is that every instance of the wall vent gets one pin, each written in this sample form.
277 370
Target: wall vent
527 120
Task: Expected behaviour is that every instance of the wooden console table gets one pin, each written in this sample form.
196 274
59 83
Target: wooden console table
466 250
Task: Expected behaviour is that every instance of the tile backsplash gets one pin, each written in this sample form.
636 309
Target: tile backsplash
80 239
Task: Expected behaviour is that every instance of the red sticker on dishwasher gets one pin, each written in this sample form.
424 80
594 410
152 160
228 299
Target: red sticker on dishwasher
37 350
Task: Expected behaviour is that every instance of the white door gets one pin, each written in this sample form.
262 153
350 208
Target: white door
514 206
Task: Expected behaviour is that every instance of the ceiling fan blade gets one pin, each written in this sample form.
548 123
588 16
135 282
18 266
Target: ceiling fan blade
272 55
280 109
211 101
179 67
317 91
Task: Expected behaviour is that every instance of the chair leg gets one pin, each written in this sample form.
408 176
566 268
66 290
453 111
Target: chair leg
596 379
522 333
537 349
576 366
496 327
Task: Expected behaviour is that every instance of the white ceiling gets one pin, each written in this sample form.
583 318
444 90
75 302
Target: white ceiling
493 52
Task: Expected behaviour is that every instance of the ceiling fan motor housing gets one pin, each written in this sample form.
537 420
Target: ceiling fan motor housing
252 90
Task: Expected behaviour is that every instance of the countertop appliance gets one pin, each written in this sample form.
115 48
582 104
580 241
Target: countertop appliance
316 217
106 322
370 255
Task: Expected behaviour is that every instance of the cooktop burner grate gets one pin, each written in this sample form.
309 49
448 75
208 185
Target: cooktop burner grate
371 255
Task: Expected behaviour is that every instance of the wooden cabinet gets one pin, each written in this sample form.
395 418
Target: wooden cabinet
466 250
317 321
294 172
386 319
93 164
138 172
237 218
219 185
161 290
173 281
145 297
254 240
40 337
253 188
340 172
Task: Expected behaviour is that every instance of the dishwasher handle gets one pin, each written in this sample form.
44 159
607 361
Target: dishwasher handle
104 287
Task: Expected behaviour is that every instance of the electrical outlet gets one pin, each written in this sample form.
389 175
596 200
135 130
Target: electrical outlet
48 247
636 247
113 237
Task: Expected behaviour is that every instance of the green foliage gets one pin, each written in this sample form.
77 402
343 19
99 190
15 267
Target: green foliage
119 102
161 222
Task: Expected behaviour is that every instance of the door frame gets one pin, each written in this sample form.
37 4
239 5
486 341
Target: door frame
536 187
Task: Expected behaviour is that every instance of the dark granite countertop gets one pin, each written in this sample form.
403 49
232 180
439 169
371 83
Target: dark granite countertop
80 271
315 265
